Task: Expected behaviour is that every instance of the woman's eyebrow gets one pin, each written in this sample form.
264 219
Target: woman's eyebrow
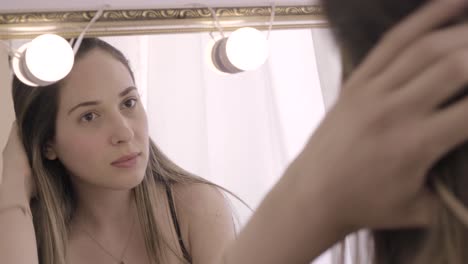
93 103
127 91
89 103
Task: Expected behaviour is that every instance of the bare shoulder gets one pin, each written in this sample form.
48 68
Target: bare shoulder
206 216
200 199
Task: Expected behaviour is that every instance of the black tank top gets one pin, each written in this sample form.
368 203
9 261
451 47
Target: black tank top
187 256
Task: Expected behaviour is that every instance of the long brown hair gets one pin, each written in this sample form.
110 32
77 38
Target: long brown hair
54 205
358 25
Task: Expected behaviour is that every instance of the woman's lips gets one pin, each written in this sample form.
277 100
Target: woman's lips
126 161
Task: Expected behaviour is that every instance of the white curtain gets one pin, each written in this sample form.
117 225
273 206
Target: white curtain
241 130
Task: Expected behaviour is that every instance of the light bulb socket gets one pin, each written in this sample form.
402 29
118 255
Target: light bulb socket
220 58
18 70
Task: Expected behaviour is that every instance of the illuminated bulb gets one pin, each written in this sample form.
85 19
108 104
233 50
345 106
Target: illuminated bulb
49 58
247 48
244 50
43 61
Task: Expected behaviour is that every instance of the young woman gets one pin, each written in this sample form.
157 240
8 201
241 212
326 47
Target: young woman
365 166
104 193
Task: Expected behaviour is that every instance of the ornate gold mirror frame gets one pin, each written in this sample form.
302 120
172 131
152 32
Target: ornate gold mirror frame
157 21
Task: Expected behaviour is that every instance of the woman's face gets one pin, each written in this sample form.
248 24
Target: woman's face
101 128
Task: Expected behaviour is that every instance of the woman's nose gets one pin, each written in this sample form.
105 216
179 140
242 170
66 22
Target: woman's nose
122 131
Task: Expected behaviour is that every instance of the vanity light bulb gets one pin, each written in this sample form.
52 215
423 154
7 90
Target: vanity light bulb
247 48
49 58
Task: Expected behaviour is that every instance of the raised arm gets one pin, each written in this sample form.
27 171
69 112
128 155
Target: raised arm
17 236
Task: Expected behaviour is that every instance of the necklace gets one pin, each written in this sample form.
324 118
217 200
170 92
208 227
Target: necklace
117 260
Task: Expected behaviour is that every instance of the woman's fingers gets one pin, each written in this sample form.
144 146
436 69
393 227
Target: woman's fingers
429 50
437 84
446 129
424 20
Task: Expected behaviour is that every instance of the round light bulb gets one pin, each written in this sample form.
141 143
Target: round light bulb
247 48
49 58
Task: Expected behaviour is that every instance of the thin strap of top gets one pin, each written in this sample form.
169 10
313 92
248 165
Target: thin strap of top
176 224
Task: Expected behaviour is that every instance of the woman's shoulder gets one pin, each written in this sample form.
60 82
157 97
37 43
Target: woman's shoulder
205 218
198 199
197 190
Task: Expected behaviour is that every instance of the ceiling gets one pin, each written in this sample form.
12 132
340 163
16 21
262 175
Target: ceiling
14 6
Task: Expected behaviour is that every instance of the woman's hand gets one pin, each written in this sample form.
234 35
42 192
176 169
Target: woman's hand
16 178
372 152
366 164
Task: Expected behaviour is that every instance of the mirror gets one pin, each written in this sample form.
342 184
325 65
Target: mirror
237 130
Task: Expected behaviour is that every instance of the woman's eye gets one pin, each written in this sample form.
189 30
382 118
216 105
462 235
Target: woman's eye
130 103
88 117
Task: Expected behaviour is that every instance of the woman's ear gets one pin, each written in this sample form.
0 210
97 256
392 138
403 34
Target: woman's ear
49 152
